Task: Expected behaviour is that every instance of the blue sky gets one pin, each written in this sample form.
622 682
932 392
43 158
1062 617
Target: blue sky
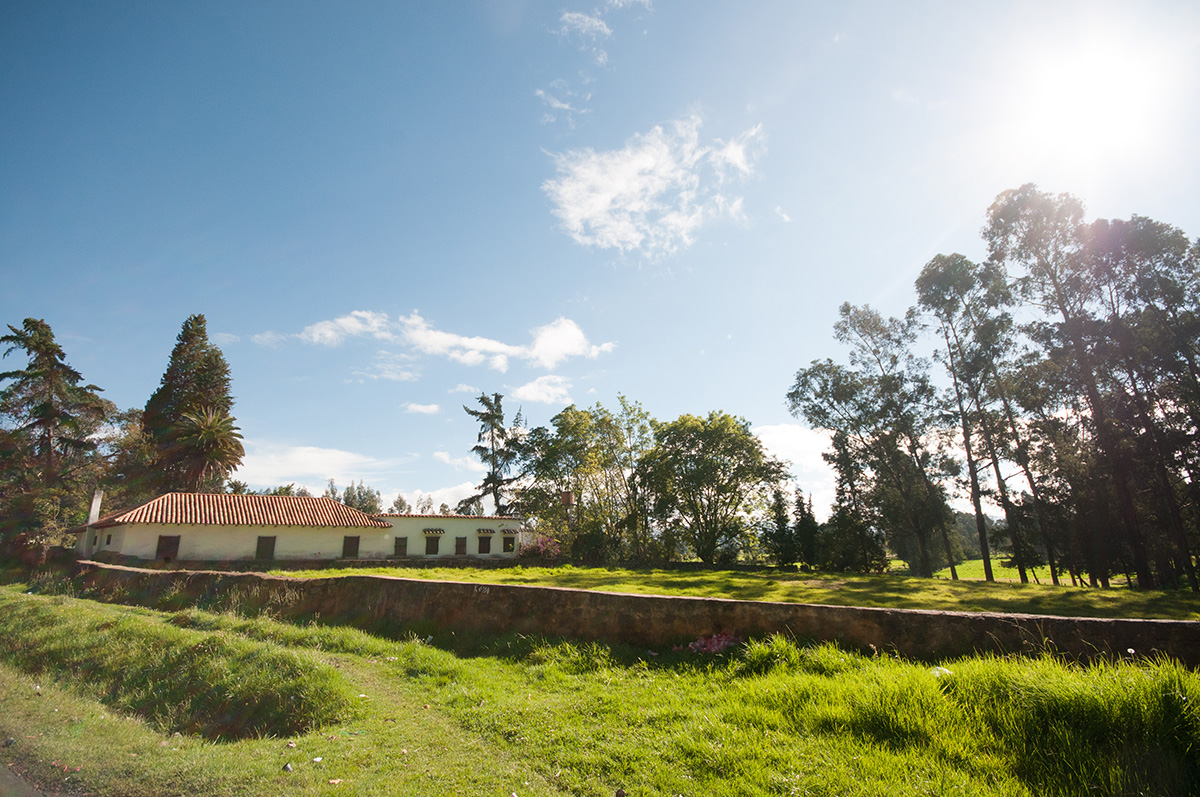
385 208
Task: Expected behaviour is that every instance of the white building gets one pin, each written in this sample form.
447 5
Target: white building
220 527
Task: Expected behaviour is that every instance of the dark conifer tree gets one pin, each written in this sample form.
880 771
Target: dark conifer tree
196 382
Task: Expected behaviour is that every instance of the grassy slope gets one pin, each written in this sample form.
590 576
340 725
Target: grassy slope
889 591
529 716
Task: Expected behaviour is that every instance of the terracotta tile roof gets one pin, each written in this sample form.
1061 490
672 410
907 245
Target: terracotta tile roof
216 509
472 517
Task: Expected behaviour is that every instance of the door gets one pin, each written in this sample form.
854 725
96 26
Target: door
168 548
401 546
350 547
266 548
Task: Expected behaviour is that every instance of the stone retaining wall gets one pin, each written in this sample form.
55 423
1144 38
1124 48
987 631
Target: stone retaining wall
646 620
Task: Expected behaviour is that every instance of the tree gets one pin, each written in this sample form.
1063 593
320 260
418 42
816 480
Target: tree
208 449
579 483
497 449
703 474
356 496
778 534
847 542
805 530
195 383
51 413
1045 236
288 490
49 422
883 407
400 506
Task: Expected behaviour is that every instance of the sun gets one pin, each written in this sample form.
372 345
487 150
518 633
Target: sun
1088 100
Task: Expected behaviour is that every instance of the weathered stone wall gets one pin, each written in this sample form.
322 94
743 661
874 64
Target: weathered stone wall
652 621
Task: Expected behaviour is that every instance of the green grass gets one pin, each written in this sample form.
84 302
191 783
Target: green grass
526 715
215 685
972 570
769 584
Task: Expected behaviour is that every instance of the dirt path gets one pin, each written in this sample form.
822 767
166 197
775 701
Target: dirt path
13 786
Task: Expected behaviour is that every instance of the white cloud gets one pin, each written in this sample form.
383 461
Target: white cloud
552 344
781 214
356 324
462 388
224 338
269 339
422 409
584 25
739 153
460 463
560 340
654 194
802 447
269 465
545 390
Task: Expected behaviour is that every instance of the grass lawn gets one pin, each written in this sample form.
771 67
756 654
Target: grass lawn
528 716
888 591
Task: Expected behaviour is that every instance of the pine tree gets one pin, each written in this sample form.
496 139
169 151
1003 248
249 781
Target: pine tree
51 420
805 530
196 382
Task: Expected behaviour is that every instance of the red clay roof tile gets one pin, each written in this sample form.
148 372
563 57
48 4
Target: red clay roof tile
217 509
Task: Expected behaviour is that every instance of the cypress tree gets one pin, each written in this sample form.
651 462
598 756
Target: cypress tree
195 383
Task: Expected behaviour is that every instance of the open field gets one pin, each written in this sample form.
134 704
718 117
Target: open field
768 584
532 716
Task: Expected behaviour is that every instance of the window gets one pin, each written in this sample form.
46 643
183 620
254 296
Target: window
485 544
401 546
460 546
350 547
510 544
265 548
108 539
168 547
431 545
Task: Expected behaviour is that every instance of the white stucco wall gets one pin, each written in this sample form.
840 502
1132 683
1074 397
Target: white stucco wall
215 543
412 527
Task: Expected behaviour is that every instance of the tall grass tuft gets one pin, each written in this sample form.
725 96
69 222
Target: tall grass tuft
217 685
1114 728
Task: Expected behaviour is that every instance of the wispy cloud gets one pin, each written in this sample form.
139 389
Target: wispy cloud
587 31
552 344
390 366
654 194
269 339
357 323
463 388
224 338
563 103
422 409
461 463
578 23
545 390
